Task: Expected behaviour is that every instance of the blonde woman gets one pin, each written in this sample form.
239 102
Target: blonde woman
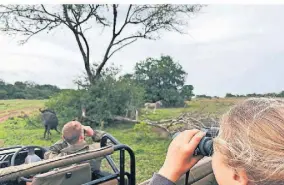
249 149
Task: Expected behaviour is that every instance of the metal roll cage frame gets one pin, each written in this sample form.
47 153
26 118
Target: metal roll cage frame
120 173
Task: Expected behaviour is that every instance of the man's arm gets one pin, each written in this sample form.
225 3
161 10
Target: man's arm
97 136
55 149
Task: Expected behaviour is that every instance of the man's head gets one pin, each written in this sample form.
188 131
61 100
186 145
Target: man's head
73 132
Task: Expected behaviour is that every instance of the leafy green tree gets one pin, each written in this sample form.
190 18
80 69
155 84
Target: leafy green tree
3 94
203 96
229 95
19 95
2 83
66 104
109 97
20 85
162 79
187 92
133 93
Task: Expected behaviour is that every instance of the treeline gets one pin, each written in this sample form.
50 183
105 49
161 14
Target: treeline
26 90
230 95
278 95
206 96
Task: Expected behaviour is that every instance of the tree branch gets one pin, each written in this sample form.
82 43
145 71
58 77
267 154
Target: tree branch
76 17
106 57
87 17
83 31
26 40
122 47
114 20
98 18
87 51
85 55
126 20
127 38
52 15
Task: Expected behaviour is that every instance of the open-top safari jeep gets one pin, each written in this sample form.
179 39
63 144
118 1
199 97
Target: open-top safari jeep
75 170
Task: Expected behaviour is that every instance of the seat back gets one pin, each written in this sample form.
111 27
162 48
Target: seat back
111 182
200 174
72 175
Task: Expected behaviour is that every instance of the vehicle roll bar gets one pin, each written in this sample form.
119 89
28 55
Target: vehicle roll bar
118 173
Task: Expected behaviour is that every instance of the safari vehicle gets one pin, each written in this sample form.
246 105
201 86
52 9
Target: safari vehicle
74 170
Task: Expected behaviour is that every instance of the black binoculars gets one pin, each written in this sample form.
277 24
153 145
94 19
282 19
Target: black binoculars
205 146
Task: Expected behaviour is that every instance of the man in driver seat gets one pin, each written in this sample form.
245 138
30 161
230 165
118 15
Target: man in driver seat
73 135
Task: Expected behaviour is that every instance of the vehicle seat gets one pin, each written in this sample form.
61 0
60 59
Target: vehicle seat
201 174
72 175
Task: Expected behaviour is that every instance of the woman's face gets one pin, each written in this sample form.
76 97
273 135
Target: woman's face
223 174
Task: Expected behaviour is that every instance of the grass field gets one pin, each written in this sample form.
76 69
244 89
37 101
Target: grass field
213 106
10 108
8 105
149 150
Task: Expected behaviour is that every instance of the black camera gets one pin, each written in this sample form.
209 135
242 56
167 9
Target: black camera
205 146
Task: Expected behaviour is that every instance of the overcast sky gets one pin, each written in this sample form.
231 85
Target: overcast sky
229 48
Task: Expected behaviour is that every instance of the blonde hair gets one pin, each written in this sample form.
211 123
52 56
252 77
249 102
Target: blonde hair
251 137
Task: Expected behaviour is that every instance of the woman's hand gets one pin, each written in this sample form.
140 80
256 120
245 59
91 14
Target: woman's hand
180 157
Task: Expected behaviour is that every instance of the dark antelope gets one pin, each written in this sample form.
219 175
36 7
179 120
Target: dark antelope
50 121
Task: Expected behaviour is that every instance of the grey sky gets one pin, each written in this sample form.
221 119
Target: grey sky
229 48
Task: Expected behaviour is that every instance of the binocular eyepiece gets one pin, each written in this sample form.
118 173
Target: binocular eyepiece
205 146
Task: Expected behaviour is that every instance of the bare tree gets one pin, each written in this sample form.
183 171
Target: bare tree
149 20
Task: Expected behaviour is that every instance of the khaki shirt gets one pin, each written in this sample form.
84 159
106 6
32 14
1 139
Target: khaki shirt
62 148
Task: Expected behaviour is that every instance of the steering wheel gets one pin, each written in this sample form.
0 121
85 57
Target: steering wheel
22 149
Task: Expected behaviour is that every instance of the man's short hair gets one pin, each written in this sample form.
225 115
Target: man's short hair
72 131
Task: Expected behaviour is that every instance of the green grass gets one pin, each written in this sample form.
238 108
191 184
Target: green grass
15 106
217 106
17 132
19 104
149 151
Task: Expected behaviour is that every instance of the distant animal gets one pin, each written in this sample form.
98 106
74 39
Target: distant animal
153 105
50 121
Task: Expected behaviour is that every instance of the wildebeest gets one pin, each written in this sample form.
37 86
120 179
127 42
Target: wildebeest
50 121
153 105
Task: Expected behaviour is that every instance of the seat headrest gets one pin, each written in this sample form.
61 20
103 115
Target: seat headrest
72 175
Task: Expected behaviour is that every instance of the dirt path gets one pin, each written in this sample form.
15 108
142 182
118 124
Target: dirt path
14 113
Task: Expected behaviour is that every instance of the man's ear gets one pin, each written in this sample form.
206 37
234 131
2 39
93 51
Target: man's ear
240 176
